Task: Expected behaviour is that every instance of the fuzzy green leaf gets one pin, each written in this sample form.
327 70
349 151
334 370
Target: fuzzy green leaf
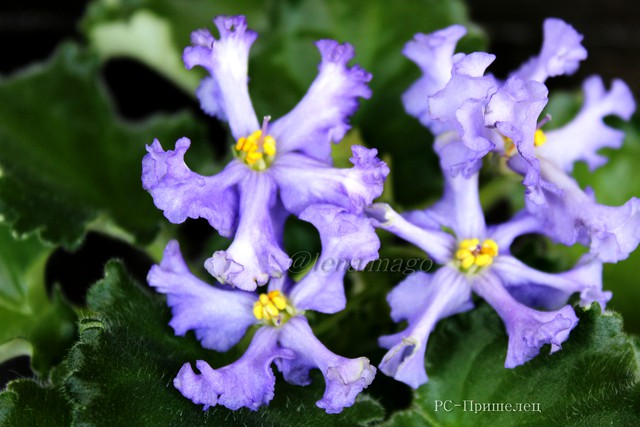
593 380
67 160
25 403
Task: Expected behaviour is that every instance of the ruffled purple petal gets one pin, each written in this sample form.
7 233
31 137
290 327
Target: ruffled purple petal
433 54
255 254
321 117
422 299
561 53
552 291
436 243
612 232
181 193
588 271
528 329
455 157
345 378
247 383
587 133
460 106
304 181
467 84
348 242
514 112
226 59
219 317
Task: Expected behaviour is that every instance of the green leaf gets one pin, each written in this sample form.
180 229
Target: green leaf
26 403
32 322
121 371
68 162
593 380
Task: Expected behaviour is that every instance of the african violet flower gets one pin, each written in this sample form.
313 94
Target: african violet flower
279 169
473 114
220 317
476 258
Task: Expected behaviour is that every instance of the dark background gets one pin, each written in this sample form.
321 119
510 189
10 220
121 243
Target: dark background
30 31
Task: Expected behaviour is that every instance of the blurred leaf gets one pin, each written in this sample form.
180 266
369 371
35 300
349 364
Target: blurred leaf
592 381
25 403
32 323
121 371
155 32
67 159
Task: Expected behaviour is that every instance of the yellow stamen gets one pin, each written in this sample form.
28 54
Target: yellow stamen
489 247
273 308
509 146
483 260
257 310
258 149
470 244
471 256
467 262
269 146
463 253
540 138
240 144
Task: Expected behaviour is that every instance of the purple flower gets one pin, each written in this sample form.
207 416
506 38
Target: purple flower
280 168
478 114
476 258
612 233
221 316
433 53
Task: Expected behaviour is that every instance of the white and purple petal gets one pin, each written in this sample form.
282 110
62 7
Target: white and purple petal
459 209
455 157
528 329
227 60
435 242
422 299
551 291
467 83
255 254
181 193
433 53
247 383
322 116
560 54
219 317
611 232
348 242
587 133
304 181
345 378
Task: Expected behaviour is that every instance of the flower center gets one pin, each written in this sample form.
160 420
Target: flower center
472 256
258 149
539 139
273 309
